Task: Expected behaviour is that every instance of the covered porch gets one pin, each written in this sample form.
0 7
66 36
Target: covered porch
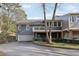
72 34
42 35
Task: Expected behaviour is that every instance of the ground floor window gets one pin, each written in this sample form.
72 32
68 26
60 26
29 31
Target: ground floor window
56 35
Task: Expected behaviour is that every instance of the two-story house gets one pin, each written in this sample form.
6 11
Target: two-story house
71 26
63 27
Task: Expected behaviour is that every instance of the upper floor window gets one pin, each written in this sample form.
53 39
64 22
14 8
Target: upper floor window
59 23
77 18
47 23
52 23
73 19
27 27
55 23
23 28
19 27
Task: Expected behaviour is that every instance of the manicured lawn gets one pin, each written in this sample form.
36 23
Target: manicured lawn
59 45
64 45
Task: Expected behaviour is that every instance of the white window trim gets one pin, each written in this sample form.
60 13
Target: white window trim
52 24
19 27
74 17
60 25
28 27
56 24
77 18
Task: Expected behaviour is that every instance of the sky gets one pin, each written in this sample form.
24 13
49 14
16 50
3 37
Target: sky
35 10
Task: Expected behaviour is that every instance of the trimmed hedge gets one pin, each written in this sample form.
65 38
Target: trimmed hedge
61 40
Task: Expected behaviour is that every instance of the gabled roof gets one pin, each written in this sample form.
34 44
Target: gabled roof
30 22
73 29
34 22
72 14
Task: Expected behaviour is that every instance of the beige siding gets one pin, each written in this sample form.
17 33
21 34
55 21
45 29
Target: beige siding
67 35
76 34
65 24
71 35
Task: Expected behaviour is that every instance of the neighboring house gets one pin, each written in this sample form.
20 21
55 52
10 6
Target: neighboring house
71 30
63 27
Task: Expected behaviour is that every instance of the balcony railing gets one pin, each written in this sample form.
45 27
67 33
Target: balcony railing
43 28
56 28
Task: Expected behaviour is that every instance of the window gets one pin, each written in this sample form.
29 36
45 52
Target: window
70 18
55 23
52 23
23 28
23 25
73 19
19 27
27 27
59 23
47 23
77 18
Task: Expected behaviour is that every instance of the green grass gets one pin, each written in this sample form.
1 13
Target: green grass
60 45
64 45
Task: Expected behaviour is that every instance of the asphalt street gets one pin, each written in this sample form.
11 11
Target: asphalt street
31 49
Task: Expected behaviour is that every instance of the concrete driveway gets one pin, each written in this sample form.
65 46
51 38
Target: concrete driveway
30 49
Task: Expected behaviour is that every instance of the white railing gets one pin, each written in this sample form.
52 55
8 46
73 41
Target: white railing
38 28
43 28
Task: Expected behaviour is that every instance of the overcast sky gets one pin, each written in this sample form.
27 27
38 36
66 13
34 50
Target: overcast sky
35 11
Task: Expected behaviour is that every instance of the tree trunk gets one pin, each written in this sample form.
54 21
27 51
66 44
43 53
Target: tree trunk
50 36
53 18
46 30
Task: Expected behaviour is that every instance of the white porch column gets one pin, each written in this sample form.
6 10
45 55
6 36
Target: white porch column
70 34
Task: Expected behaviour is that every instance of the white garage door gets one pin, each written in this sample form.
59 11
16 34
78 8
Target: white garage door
25 37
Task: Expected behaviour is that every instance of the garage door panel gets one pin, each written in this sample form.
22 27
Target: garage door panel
25 37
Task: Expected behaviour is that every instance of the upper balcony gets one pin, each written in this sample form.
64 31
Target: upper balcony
42 28
56 26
